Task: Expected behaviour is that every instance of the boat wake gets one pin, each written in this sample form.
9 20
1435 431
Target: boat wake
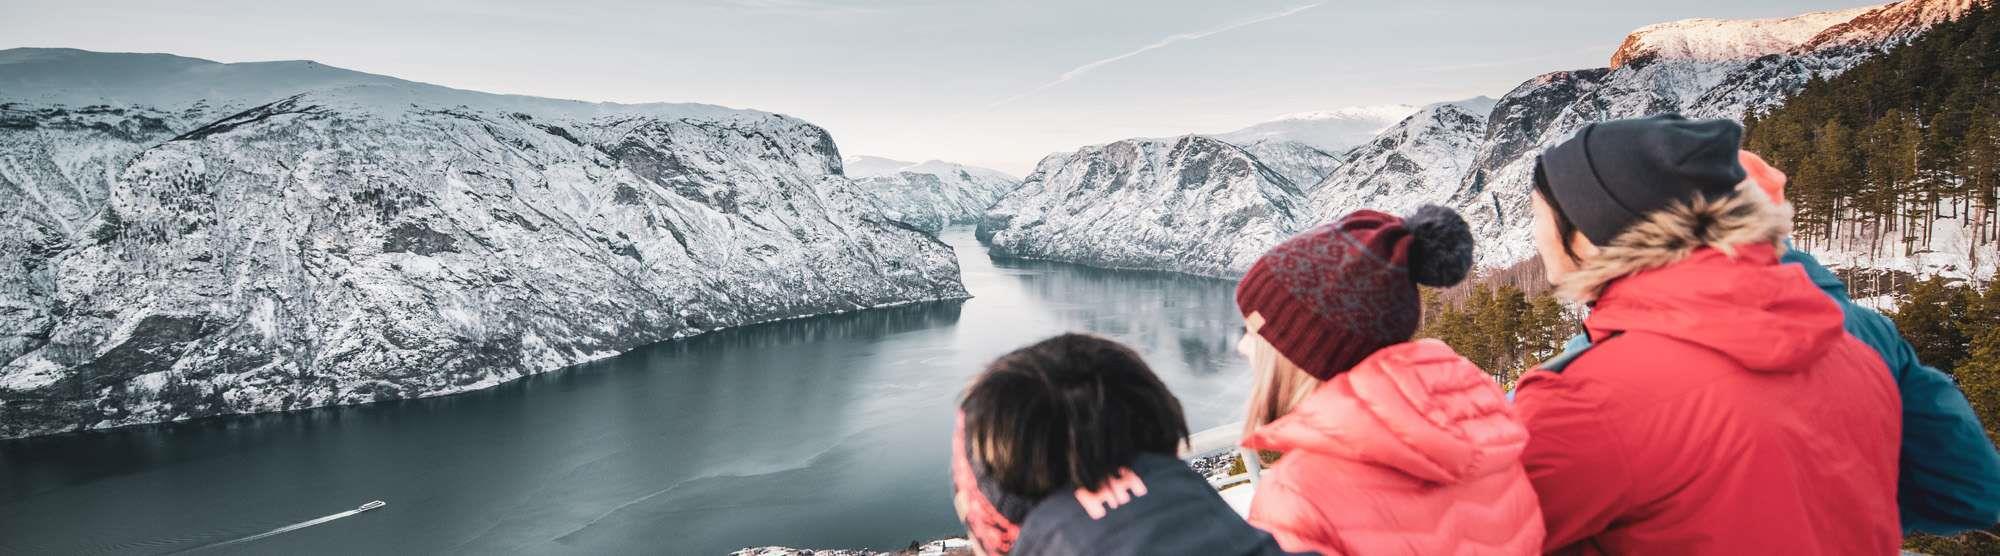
289 528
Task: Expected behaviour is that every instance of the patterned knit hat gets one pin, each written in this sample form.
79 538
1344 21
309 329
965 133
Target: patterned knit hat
1334 294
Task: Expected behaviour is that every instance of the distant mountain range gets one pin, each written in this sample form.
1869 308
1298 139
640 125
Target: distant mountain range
929 195
1328 130
1475 156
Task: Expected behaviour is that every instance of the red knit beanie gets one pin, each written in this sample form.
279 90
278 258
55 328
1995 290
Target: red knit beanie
1334 294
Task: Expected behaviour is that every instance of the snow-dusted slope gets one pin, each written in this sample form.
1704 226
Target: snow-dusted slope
1298 162
1722 40
1400 169
1191 204
933 194
186 248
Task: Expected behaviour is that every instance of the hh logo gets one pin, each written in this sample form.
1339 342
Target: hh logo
1122 488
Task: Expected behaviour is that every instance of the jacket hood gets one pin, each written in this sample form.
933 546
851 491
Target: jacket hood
1415 407
1707 272
1767 316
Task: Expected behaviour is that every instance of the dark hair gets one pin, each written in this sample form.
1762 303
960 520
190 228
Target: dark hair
1069 410
1565 229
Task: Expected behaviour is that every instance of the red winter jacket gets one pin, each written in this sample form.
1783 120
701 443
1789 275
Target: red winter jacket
1722 409
1413 451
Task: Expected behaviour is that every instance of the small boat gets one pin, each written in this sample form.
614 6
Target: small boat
371 506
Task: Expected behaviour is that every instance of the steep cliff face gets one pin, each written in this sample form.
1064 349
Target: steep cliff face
931 195
389 239
1191 204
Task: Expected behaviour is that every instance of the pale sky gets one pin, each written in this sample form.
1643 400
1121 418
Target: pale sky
996 84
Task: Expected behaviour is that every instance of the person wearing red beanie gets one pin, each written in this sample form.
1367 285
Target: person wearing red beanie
1388 446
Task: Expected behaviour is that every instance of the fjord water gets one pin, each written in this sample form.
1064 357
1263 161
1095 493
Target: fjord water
827 432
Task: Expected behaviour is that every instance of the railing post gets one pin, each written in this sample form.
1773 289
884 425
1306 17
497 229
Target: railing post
1251 463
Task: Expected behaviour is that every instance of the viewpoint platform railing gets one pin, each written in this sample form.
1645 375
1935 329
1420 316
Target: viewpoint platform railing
1216 440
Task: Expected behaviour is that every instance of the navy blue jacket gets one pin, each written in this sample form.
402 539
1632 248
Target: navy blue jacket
1179 513
1949 479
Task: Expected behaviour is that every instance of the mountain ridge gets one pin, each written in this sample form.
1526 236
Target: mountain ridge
392 239
1481 164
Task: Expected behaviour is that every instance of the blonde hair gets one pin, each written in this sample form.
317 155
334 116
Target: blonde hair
1279 386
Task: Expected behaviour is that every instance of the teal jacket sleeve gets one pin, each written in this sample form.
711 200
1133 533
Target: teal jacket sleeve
1949 472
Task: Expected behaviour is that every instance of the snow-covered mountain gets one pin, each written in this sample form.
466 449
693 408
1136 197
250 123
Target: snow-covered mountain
1478 155
1723 40
1190 204
932 194
1398 171
1306 147
182 238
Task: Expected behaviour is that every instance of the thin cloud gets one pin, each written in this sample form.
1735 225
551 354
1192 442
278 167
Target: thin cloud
822 7
1162 43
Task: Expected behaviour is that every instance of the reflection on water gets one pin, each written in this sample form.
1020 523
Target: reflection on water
825 432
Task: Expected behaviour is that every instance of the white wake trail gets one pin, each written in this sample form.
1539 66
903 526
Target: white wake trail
292 527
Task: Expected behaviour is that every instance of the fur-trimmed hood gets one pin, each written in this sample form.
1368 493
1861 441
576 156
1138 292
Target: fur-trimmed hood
1708 273
1666 236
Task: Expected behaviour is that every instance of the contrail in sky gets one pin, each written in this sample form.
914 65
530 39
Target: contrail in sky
1171 39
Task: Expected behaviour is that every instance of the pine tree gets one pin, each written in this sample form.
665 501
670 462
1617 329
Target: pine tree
1929 318
1897 142
1549 328
1979 374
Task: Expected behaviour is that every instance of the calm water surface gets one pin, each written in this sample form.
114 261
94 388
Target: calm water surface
822 432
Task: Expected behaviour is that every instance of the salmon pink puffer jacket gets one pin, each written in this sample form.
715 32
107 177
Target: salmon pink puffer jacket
1413 451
